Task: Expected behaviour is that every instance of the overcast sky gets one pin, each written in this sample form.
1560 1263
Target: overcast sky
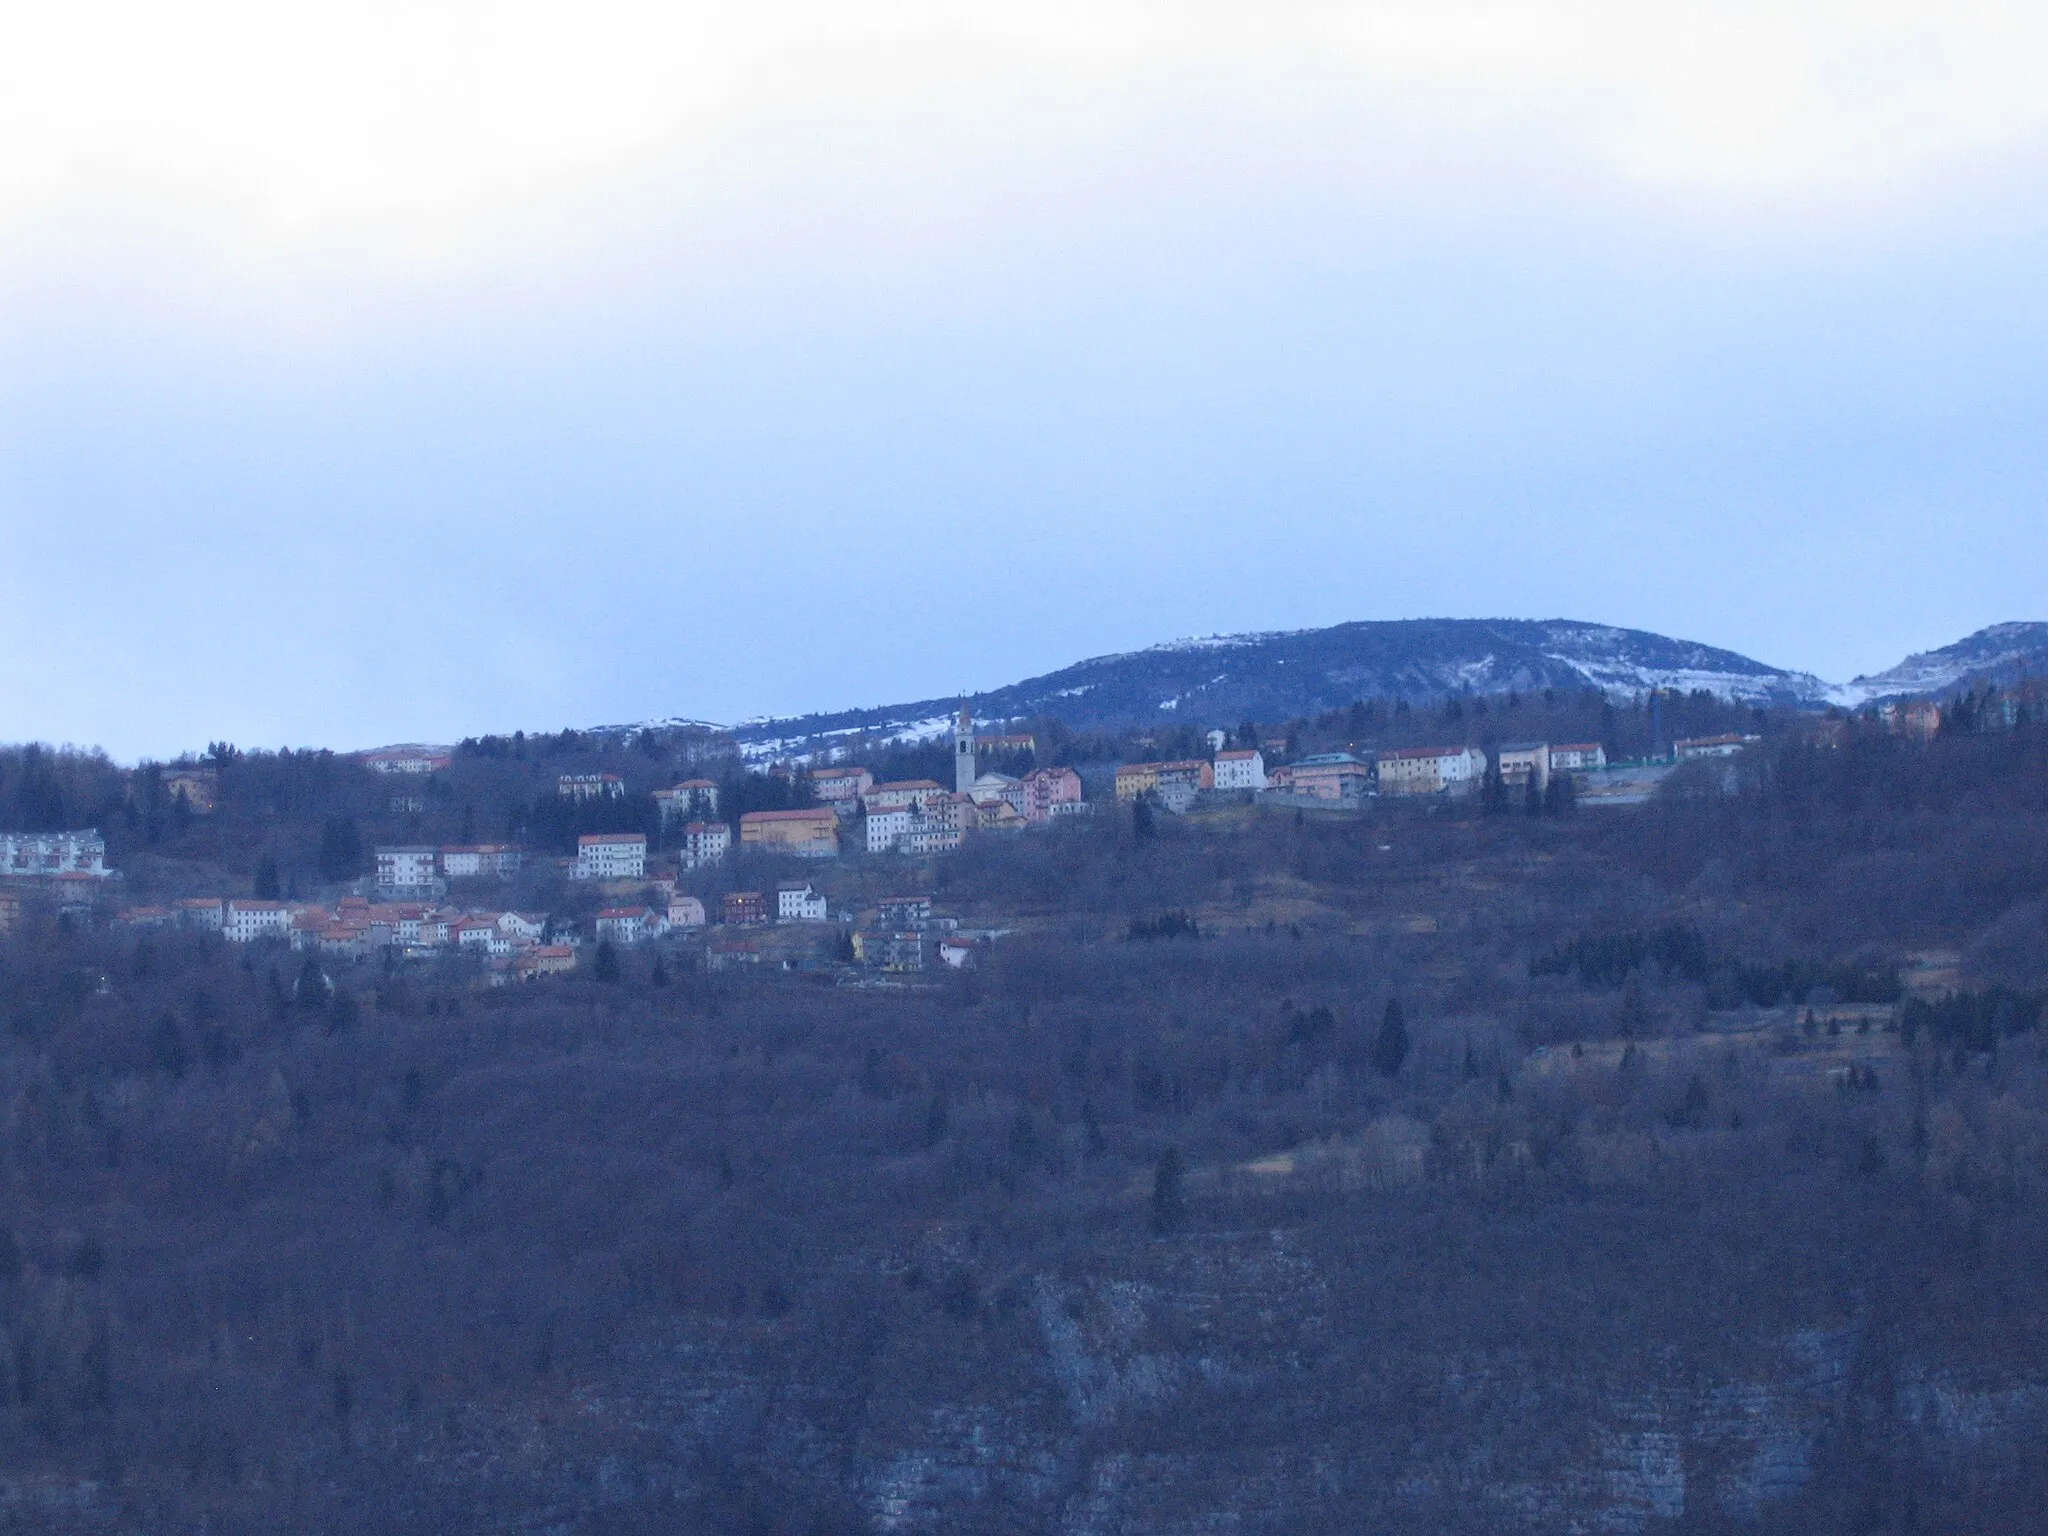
376 372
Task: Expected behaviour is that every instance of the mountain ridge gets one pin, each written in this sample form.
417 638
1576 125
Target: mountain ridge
1281 674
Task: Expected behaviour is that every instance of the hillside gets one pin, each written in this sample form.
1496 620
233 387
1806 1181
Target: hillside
1999 654
1284 674
1662 1169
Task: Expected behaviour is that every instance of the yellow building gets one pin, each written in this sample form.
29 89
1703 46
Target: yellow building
812 834
1135 779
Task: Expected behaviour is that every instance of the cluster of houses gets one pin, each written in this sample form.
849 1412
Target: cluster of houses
513 945
851 810
399 909
901 934
1345 777
920 816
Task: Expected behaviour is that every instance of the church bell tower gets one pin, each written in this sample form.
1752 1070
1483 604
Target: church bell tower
963 752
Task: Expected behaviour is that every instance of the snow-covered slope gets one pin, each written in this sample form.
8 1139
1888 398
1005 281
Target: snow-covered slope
1994 655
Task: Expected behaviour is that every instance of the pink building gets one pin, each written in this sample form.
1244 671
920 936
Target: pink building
1050 793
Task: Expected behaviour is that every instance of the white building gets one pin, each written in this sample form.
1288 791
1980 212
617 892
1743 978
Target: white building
691 800
522 927
629 925
685 912
611 856
54 853
482 935
796 902
405 759
705 843
1578 757
1241 770
889 826
476 861
408 871
1710 746
244 921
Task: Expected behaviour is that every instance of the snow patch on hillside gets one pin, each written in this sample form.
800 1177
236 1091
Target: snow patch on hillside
1989 650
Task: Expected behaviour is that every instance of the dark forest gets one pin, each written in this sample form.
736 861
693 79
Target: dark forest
1449 1167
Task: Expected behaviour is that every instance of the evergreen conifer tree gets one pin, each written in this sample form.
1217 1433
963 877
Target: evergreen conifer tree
1390 1045
167 1047
266 887
1493 791
1169 1204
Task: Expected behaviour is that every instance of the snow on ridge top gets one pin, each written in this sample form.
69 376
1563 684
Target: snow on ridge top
672 723
1211 642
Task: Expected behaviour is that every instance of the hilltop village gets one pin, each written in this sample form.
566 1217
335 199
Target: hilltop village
663 884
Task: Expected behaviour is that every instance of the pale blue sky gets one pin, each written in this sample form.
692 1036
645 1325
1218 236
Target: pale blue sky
405 372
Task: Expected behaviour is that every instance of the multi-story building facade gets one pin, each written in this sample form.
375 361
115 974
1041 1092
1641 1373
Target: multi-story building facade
419 760
705 843
629 925
590 786
841 787
797 902
1135 779
242 922
904 912
940 825
743 907
1522 760
1429 770
1244 769
523 927
43 854
691 800
1333 776
888 827
408 871
811 834
611 856
1578 757
480 861
902 792
1050 793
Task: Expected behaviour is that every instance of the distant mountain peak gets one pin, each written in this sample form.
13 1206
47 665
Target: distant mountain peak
1276 675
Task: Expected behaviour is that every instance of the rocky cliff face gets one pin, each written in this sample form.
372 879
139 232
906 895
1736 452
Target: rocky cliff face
1252 1380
